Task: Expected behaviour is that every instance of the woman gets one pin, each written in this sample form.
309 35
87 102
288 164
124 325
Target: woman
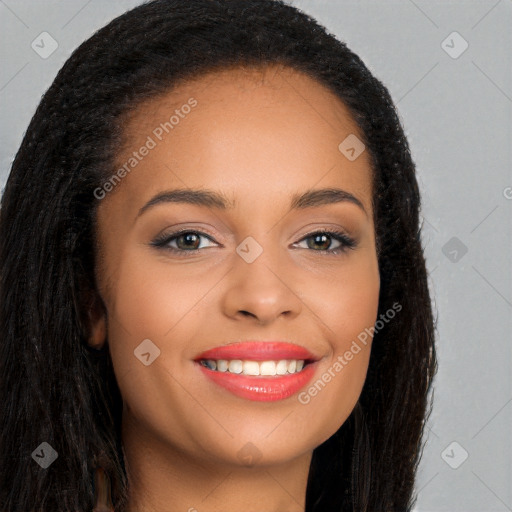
143 371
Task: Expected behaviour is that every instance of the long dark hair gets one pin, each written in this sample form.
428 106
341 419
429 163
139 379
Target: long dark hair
58 390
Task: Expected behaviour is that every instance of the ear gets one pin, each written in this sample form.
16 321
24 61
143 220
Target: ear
97 323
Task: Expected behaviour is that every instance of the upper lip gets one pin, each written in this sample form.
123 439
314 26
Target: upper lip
259 351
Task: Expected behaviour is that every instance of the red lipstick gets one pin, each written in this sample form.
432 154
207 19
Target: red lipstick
258 351
260 387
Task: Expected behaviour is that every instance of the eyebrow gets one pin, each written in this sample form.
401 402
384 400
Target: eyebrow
213 199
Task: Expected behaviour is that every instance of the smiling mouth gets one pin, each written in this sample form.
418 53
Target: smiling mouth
267 368
263 381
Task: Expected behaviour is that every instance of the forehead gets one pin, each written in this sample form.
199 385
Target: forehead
254 133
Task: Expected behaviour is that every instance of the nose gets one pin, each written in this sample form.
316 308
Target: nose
263 290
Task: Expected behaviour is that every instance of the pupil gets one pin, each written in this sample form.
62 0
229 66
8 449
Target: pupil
323 237
189 237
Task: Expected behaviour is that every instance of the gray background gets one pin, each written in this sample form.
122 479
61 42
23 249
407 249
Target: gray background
457 116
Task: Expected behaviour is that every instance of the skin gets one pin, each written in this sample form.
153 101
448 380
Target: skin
258 136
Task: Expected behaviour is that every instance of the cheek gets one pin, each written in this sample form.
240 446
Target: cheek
345 299
330 398
144 304
151 302
153 299
150 299
348 305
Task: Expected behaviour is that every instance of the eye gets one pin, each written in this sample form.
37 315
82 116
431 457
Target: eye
181 241
322 241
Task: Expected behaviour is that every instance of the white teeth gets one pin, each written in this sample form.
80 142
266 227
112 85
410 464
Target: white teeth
282 367
222 365
235 366
251 368
267 368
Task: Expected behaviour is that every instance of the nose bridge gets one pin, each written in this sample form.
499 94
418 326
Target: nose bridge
260 283
258 247
258 257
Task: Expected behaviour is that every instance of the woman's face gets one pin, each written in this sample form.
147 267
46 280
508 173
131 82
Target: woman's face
252 269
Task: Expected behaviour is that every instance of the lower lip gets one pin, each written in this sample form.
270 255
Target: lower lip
259 388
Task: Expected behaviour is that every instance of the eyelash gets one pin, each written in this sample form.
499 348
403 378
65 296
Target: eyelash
347 243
